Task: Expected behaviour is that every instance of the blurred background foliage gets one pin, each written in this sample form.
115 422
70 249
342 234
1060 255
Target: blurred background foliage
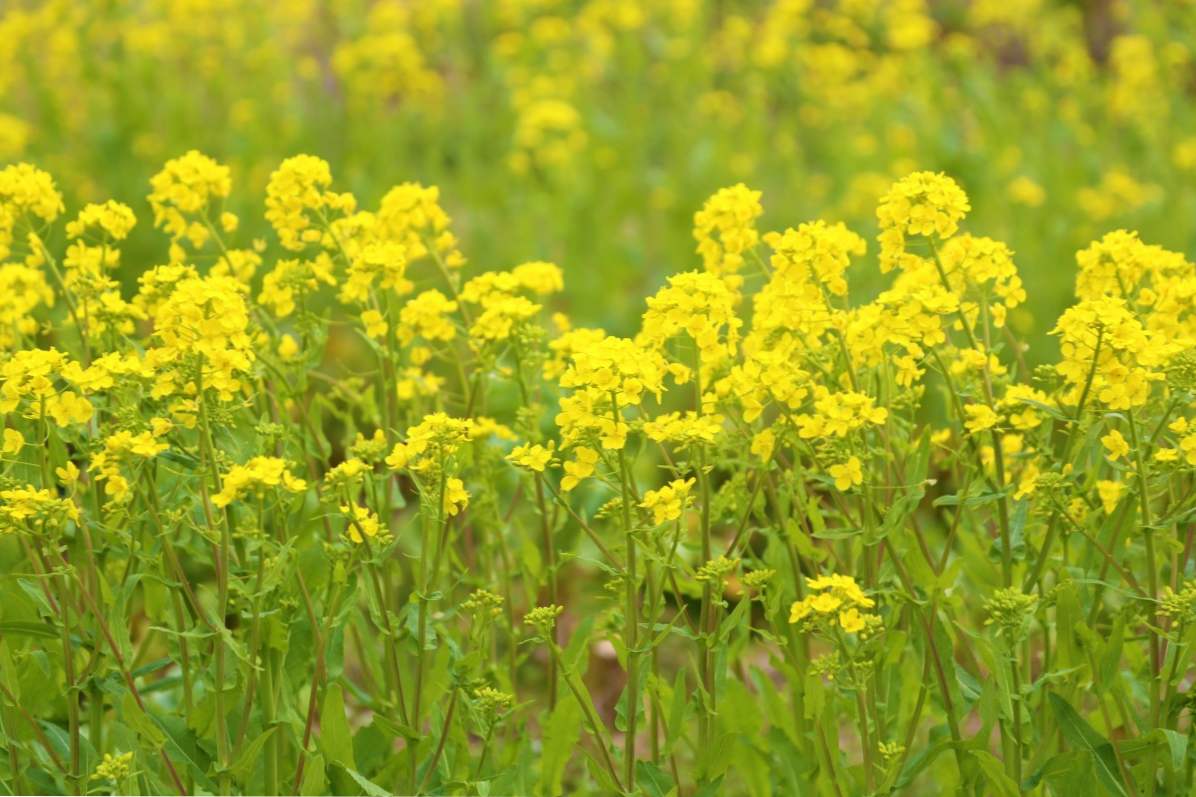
587 132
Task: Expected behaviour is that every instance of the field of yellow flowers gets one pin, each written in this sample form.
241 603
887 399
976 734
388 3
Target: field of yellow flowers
607 397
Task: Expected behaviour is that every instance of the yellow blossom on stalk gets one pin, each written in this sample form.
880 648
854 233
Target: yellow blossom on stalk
763 443
501 317
616 366
30 375
532 456
456 497
413 382
699 304
685 429
375 325
924 204
156 284
255 476
298 201
815 253
183 193
410 215
725 229
67 408
122 448
838 600
206 320
847 474
484 427
23 289
292 280
1110 494
607 375
1018 402
382 265
14 441
1100 338
668 502
537 277
585 460
980 418
540 277
360 521
1115 444
114 767
112 219
28 193
347 472
369 449
1027 482
1166 455
30 507
981 272
429 316
430 442
288 348
1187 445
837 414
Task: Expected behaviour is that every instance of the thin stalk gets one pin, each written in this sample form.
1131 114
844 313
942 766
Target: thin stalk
631 615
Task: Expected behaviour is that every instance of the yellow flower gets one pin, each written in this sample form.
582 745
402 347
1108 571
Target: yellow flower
725 230
826 602
256 475
1115 444
68 474
185 189
531 456
455 497
1110 494
922 204
298 199
847 474
429 316
14 441
851 621
668 502
981 417
582 467
67 408
763 443
360 521
375 325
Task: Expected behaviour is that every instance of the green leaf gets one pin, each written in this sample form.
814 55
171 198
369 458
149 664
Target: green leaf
368 786
561 734
141 722
1079 733
599 773
243 767
653 780
314 782
336 740
19 628
394 729
994 774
